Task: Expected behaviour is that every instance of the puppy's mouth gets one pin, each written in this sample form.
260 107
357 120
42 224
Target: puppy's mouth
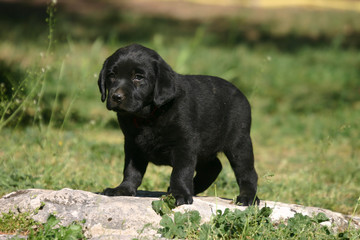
119 108
139 111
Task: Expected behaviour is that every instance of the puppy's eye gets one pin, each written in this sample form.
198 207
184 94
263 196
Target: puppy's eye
138 78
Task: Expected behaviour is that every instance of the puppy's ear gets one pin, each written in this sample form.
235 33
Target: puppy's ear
164 90
101 83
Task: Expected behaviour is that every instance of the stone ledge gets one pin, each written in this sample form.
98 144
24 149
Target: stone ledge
123 217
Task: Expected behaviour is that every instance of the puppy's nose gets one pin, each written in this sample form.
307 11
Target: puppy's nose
118 97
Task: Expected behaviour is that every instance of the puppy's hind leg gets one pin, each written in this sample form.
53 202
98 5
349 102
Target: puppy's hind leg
241 157
206 174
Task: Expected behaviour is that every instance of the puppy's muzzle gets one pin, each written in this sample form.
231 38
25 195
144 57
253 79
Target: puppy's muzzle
118 97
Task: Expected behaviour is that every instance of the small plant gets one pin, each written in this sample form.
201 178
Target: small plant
164 205
184 225
51 230
301 226
237 224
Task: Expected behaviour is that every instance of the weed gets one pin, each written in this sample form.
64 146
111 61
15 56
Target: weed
353 214
182 226
164 205
51 230
236 224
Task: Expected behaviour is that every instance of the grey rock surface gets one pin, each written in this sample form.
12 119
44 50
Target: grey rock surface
125 217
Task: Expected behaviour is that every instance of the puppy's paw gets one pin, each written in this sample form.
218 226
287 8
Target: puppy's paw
181 200
118 191
247 201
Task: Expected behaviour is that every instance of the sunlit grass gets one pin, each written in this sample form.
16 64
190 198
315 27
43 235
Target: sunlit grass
305 104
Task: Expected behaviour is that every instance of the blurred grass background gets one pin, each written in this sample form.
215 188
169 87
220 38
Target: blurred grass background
298 65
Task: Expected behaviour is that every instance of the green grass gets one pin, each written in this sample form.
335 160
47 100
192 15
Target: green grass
16 223
304 92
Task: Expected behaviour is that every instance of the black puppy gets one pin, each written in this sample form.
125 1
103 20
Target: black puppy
177 120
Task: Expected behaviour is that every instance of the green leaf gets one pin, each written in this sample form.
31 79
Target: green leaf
182 225
164 205
321 217
265 212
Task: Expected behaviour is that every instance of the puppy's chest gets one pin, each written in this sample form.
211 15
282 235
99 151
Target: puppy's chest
148 138
155 143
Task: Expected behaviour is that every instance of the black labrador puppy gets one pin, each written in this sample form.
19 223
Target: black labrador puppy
182 121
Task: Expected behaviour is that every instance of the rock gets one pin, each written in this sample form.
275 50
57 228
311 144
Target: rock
125 217
105 216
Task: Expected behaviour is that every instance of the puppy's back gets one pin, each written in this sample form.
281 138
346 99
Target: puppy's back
220 112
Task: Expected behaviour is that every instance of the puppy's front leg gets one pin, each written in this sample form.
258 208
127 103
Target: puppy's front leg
181 181
133 174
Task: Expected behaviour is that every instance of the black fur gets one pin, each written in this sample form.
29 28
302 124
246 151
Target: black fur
179 120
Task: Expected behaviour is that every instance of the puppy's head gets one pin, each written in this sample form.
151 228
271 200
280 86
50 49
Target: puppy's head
135 77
